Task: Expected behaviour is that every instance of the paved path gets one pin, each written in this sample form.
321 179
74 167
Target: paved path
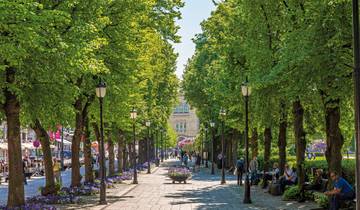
156 191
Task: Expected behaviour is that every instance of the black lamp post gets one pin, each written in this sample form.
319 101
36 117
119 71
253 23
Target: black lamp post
100 93
133 115
207 148
212 125
246 91
202 151
222 115
148 123
162 145
156 143
165 146
357 94
62 149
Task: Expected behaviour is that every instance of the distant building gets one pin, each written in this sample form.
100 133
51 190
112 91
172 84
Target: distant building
184 120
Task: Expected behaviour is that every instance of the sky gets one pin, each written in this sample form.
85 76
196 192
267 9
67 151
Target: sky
193 13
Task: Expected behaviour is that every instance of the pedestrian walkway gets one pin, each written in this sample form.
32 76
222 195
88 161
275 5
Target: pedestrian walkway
156 191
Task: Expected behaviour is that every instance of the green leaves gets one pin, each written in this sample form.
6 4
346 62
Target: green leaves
287 49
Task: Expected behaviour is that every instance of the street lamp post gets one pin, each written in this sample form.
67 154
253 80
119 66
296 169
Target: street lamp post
165 146
162 145
100 93
202 151
133 115
246 91
212 125
156 143
222 115
207 149
148 123
357 94
62 148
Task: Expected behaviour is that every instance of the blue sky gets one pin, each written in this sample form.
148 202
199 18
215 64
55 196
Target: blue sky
193 13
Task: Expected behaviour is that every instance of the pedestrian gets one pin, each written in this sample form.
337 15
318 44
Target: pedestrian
186 159
342 191
253 167
240 170
56 169
24 171
197 162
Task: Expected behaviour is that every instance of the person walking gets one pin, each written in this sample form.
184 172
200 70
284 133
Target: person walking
197 162
186 159
253 167
240 170
56 169
24 171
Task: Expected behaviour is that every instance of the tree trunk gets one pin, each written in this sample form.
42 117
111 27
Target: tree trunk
125 157
152 146
334 138
44 138
300 141
111 155
142 151
75 146
89 176
254 143
235 147
120 154
282 138
130 155
16 178
267 148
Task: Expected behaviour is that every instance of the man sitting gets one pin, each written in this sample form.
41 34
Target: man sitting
342 191
289 178
317 183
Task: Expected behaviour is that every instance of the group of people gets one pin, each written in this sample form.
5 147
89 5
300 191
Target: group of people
254 171
185 157
340 191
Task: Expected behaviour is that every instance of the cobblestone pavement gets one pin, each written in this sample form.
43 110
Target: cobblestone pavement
203 191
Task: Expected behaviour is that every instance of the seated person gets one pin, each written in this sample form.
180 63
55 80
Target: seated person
274 174
276 171
317 183
289 178
342 191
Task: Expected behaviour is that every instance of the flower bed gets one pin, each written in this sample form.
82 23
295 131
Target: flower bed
179 174
116 179
53 199
31 206
85 190
108 183
127 175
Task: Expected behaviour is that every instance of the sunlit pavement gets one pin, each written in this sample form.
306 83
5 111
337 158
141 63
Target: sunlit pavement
203 191
32 188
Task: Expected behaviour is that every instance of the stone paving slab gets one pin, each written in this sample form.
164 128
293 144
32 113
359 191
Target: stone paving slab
203 191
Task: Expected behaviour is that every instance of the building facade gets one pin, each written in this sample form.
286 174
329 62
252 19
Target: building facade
184 120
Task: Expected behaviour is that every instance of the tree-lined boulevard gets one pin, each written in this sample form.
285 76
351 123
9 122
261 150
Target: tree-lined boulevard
272 83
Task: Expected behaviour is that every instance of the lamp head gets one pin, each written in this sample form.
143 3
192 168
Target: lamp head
101 89
133 114
245 89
